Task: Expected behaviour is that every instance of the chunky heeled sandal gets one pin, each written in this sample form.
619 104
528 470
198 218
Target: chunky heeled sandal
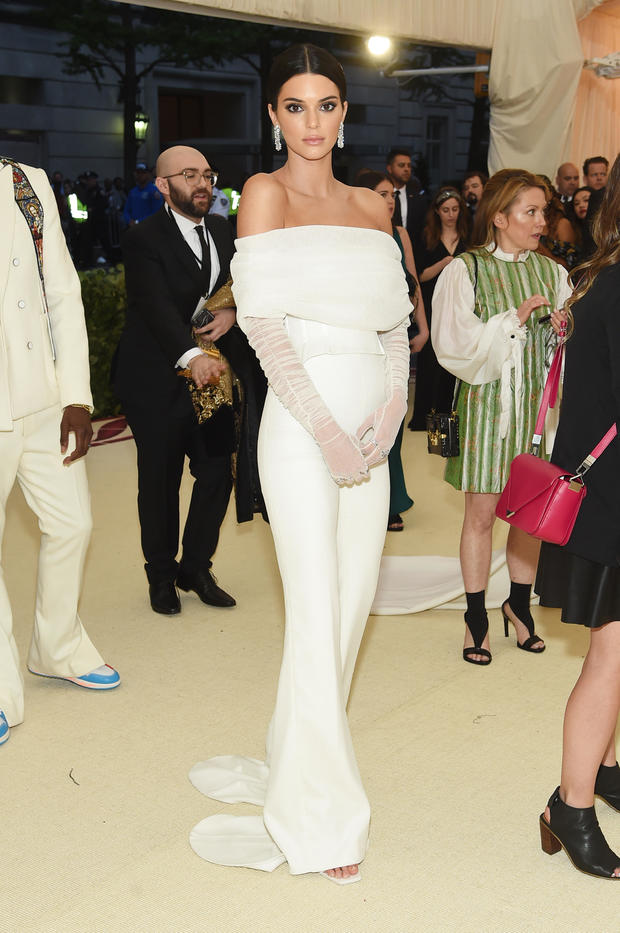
478 628
578 833
607 785
528 644
395 523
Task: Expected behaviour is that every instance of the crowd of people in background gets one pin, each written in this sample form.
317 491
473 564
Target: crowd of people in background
94 216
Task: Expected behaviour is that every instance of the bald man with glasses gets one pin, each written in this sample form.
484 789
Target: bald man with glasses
173 260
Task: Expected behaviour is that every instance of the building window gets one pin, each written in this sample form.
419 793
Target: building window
196 115
15 90
436 142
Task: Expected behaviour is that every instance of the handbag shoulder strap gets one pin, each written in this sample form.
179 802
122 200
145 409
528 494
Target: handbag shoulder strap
548 400
549 396
592 457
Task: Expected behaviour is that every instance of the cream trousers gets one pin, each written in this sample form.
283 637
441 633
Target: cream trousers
58 495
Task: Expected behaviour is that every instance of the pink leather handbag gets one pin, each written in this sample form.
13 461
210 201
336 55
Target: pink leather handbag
540 497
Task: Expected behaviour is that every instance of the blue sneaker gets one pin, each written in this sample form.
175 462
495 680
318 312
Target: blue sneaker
4 729
103 678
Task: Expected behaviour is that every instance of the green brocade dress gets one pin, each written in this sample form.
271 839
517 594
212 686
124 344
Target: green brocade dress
485 456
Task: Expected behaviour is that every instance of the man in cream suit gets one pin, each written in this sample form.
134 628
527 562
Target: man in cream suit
45 406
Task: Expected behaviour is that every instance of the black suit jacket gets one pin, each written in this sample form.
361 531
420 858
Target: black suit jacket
163 282
417 206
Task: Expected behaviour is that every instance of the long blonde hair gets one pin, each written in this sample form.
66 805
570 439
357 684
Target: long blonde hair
606 235
500 193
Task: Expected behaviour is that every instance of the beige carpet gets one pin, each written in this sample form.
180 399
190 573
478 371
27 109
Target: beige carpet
458 761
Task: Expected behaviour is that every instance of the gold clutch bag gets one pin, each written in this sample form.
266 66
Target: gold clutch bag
210 398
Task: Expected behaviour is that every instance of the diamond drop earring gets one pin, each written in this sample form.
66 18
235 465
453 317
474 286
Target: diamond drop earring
277 139
341 136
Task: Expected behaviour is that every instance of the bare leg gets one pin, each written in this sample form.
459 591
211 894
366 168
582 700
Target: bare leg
476 546
591 716
590 719
522 559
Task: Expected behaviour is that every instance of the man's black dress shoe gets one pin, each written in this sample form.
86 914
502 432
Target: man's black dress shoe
205 588
164 598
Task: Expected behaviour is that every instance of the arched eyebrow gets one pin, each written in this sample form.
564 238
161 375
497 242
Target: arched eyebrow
299 100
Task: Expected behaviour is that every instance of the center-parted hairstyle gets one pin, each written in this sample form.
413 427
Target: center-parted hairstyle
300 60
500 193
433 227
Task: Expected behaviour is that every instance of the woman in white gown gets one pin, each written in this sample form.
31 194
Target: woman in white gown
321 295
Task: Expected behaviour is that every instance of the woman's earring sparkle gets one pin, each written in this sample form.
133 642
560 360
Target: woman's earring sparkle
277 139
341 136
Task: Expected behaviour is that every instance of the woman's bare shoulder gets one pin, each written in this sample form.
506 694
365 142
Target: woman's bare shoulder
372 206
262 204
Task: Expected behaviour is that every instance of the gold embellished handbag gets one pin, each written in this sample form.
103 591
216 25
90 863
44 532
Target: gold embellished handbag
210 398
442 430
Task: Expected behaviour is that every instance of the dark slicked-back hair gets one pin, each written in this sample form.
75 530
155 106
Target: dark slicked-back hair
300 60
396 151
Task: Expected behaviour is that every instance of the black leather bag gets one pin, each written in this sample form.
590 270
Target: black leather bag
442 428
443 433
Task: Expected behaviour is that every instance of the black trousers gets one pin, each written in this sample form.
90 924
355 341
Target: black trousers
434 388
163 440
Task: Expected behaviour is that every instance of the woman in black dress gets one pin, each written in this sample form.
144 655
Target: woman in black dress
583 578
444 238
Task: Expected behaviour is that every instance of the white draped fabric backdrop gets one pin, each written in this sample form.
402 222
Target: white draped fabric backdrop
544 108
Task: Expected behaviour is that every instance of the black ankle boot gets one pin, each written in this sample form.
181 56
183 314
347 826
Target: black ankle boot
607 785
578 833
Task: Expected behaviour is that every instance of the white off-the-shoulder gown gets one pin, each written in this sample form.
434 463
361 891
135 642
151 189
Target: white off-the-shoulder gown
335 290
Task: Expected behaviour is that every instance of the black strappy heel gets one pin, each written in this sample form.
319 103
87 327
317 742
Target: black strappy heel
528 644
578 833
478 627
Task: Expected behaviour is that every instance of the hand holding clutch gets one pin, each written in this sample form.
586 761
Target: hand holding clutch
377 433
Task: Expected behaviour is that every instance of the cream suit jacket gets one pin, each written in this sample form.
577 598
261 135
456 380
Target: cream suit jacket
30 379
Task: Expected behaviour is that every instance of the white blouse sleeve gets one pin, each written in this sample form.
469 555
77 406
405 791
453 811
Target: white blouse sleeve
472 350
565 289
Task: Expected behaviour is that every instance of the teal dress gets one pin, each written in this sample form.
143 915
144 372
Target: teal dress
400 500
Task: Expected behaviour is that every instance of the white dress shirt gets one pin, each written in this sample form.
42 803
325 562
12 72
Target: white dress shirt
401 194
190 235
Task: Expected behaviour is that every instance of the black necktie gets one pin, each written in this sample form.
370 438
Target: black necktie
205 265
398 214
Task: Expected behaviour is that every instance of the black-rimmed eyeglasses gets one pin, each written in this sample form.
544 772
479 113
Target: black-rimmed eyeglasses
192 176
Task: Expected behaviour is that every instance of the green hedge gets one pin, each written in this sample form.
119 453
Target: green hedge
103 294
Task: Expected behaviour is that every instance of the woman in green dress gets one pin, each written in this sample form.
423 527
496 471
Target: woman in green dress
494 312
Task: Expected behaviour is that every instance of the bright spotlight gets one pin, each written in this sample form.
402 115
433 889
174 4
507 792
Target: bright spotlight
379 45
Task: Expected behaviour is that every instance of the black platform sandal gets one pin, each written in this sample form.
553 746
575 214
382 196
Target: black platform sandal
607 785
478 628
578 833
528 644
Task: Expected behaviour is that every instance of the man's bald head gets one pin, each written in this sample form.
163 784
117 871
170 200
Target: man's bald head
191 199
177 158
567 179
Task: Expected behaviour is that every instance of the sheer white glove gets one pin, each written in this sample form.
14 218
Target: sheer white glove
292 384
378 432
